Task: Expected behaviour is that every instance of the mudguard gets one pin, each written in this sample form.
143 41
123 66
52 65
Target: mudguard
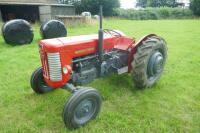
133 49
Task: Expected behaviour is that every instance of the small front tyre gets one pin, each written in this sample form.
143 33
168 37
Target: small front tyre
37 82
83 106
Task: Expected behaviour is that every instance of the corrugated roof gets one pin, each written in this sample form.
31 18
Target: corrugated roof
32 3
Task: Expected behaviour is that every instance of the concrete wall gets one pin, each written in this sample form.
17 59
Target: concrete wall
45 13
49 12
62 10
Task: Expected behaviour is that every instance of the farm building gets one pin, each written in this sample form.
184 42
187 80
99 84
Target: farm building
37 10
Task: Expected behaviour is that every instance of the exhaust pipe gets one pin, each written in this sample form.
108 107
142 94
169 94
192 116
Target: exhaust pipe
100 41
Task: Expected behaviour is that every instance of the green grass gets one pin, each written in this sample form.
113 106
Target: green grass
172 105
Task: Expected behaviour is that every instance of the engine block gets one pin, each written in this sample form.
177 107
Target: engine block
85 69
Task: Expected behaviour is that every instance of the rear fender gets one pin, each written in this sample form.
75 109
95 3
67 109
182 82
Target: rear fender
133 50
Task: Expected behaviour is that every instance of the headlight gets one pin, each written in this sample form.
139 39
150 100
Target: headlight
65 70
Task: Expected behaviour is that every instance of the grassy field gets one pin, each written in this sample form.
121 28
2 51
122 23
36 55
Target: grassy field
172 105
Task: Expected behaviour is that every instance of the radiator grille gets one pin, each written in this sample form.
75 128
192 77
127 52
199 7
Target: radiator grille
54 66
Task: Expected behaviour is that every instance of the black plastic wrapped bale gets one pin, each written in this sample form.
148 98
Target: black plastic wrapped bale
17 31
53 29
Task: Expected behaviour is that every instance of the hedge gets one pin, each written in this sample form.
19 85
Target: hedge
154 13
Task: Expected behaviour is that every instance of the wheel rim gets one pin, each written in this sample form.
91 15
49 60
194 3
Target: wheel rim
155 65
85 110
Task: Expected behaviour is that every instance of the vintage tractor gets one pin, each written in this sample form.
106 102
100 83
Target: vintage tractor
70 62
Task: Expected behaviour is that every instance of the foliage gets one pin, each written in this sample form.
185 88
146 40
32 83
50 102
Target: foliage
172 105
93 6
154 13
141 3
156 3
195 7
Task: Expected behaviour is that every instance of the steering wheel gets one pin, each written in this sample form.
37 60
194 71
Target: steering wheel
112 32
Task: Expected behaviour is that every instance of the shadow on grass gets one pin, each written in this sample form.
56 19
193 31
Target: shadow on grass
115 86
11 46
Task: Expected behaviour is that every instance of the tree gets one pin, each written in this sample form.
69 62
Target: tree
93 6
141 3
195 7
68 1
171 3
156 3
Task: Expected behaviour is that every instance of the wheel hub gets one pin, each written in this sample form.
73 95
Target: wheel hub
84 110
155 65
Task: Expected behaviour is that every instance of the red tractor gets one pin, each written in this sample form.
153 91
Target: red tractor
70 62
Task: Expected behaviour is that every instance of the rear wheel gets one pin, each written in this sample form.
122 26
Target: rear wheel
37 82
83 106
149 62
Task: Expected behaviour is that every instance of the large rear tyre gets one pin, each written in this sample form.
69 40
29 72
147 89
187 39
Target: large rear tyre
83 106
149 62
37 82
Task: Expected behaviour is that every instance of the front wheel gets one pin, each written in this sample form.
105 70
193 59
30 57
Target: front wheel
37 82
83 106
149 62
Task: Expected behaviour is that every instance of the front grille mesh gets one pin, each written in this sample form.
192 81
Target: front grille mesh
54 66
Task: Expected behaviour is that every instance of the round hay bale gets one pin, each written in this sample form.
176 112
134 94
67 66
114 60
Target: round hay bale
53 29
96 17
86 14
17 31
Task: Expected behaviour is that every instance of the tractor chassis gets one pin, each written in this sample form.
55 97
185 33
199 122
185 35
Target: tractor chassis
69 63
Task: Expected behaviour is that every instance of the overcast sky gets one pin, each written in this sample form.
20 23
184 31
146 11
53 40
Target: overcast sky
128 3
